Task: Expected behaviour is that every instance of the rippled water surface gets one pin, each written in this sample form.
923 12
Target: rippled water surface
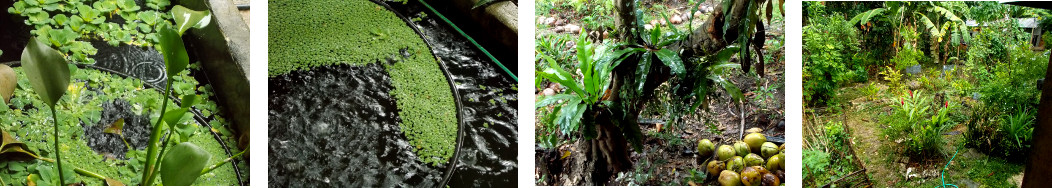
338 126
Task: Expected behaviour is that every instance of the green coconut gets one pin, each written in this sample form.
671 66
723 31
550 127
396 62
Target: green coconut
769 179
736 164
741 148
715 167
775 162
755 140
729 178
781 165
725 152
705 148
768 149
751 175
753 159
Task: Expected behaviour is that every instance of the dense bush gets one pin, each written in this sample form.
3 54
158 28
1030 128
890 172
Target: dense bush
913 122
829 44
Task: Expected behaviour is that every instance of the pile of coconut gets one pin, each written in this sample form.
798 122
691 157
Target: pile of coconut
743 163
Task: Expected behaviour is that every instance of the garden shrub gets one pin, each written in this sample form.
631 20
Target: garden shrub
829 44
913 122
894 79
1017 130
815 163
909 54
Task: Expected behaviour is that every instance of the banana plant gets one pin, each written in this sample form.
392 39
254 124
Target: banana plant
181 165
48 75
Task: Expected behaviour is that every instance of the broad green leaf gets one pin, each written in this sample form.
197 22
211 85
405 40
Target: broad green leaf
672 60
174 51
173 117
728 86
725 54
183 164
189 100
619 56
8 81
545 101
46 70
186 18
644 69
558 75
570 116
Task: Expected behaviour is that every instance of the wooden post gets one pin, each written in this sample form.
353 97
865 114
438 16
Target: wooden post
1038 167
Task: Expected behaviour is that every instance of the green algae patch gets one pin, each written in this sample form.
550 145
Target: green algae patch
82 106
308 34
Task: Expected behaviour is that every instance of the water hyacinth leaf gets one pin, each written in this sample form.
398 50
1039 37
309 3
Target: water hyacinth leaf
8 81
189 101
47 71
174 51
186 18
115 128
173 117
183 164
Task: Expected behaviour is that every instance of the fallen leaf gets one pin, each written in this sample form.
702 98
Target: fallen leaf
116 127
113 182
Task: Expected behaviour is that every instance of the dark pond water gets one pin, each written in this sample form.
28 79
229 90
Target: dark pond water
338 126
488 154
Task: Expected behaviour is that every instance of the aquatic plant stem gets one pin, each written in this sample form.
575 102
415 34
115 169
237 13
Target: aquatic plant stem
58 158
164 147
78 170
221 163
155 136
512 74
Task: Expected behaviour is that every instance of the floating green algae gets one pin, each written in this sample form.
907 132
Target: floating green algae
308 34
30 121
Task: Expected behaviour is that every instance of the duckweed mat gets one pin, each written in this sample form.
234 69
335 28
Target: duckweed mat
93 99
308 34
